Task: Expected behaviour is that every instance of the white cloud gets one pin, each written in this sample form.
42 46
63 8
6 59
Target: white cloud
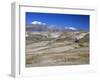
71 28
38 22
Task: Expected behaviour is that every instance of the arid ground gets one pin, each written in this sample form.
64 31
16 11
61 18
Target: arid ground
57 48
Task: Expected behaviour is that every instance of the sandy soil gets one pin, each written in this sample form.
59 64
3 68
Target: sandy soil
58 53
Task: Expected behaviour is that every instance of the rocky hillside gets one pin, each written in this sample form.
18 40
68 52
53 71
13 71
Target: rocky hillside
47 46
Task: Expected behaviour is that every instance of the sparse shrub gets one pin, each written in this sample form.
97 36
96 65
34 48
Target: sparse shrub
81 45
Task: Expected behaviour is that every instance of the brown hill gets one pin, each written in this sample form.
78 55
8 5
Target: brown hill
84 39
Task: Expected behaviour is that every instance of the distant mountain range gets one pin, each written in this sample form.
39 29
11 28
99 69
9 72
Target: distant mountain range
39 26
38 31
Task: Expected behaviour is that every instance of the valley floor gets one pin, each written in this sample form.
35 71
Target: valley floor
59 53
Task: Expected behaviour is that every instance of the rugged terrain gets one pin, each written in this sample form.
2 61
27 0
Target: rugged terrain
54 47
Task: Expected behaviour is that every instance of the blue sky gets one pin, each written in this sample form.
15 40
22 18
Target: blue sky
80 22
